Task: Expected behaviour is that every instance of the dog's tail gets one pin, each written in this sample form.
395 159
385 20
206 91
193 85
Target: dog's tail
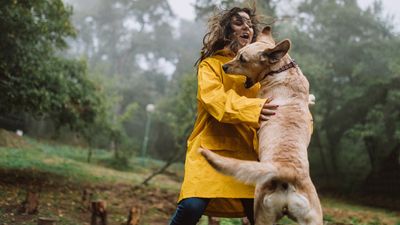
250 172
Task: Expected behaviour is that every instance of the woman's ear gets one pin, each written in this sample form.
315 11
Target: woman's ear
275 54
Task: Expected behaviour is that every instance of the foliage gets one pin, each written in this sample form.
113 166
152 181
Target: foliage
203 8
121 34
124 43
353 71
349 55
33 77
177 111
349 66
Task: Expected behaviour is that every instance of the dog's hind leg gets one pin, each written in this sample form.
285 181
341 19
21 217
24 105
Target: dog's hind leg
263 215
314 214
267 205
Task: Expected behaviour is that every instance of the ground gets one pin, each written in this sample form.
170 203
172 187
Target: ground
61 174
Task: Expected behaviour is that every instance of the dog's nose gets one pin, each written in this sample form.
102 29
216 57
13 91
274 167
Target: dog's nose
225 67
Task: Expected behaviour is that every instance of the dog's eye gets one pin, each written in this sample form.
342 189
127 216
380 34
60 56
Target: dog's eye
241 58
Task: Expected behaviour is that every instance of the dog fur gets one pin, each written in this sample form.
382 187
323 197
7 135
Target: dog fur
282 178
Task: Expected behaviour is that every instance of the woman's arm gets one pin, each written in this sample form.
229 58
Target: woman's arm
228 106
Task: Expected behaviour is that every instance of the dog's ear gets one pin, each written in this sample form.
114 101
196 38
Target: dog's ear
275 54
267 30
266 35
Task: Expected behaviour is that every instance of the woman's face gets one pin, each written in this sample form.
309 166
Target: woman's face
242 29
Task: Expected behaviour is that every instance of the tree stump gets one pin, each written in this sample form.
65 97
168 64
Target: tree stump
31 203
134 216
46 221
99 210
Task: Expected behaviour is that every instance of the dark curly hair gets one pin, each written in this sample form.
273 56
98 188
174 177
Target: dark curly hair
219 32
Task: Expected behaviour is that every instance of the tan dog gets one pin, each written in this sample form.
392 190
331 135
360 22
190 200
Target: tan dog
282 178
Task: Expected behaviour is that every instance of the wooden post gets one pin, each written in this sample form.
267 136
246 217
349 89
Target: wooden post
31 203
99 210
134 216
46 221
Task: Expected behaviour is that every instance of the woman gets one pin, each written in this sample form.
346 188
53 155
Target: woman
227 118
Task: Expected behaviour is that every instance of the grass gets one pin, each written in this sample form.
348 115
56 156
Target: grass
65 164
38 159
63 173
70 164
351 213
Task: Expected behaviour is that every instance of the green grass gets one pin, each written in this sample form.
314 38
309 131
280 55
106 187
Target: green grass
61 163
70 164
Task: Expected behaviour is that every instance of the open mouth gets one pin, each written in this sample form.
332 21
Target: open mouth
245 36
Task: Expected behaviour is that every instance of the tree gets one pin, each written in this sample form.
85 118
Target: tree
34 78
177 112
350 68
126 42
205 7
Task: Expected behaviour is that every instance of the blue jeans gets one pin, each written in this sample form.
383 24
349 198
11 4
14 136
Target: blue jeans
190 210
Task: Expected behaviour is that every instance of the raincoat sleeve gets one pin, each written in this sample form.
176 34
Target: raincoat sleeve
225 106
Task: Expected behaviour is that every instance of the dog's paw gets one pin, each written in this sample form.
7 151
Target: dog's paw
311 99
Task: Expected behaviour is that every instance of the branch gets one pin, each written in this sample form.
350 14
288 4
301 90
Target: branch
171 160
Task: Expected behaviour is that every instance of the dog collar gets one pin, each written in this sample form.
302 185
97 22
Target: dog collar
292 64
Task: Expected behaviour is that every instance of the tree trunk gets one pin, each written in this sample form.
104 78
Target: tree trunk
370 147
321 153
114 148
385 180
116 151
90 150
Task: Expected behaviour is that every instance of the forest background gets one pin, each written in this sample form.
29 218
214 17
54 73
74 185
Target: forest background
89 75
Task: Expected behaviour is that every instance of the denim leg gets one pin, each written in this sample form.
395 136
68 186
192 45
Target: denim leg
248 206
189 211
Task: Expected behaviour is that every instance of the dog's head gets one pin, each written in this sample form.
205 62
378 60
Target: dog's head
256 59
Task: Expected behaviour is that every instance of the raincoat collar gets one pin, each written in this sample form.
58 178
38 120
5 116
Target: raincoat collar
225 52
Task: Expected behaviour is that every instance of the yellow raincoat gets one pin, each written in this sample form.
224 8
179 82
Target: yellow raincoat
227 119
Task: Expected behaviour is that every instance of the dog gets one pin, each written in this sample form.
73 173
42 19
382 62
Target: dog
282 178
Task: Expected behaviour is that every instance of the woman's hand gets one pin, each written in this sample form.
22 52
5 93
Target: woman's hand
267 111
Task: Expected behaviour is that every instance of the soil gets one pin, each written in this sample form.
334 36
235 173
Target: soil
152 205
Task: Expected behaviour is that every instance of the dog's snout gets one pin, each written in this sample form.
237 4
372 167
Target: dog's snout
225 67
